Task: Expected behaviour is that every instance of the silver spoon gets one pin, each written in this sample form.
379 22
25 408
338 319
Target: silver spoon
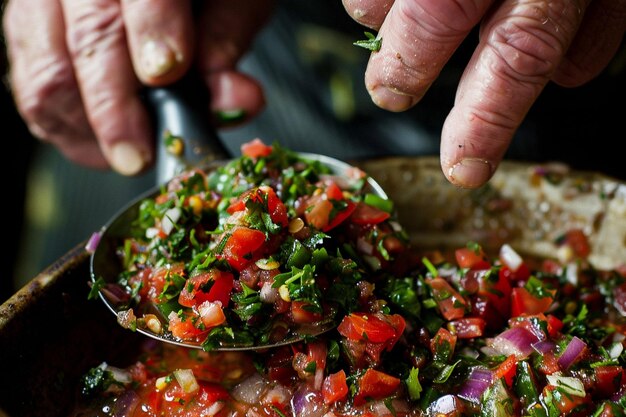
177 112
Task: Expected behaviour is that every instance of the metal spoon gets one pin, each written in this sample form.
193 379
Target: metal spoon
177 112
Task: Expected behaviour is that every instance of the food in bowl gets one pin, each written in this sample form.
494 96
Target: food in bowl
433 333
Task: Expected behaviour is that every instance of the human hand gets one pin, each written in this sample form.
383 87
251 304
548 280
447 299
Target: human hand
77 67
523 45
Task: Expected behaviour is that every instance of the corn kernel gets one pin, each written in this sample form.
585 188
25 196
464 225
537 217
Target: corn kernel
283 291
153 323
196 204
295 225
267 264
161 383
176 146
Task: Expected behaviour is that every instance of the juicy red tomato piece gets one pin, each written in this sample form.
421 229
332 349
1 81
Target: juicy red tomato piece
328 209
185 328
195 403
375 385
275 207
443 344
507 370
608 380
301 313
497 290
523 302
241 245
335 387
471 258
218 283
317 352
467 327
153 281
256 148
451 304
365 214
554 325
373 328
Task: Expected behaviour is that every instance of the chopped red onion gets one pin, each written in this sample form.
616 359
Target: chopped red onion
544 346
571 353
115 294
515 341
478 381
93 241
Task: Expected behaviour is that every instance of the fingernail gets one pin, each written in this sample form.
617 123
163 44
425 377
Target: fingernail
157 58
470 173
126 158
392 100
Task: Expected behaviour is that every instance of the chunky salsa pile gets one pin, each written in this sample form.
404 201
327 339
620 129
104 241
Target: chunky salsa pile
421 333
270 247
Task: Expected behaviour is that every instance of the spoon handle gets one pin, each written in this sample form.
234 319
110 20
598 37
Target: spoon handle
182 110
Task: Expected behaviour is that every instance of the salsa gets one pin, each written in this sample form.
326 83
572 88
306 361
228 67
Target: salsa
269 247
435 333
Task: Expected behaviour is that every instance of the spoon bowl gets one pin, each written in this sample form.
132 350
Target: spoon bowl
106 266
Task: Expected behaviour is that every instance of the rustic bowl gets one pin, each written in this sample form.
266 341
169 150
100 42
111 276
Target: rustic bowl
50 333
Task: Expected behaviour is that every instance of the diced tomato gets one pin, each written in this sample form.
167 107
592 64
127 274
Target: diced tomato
195 403
301 313
376 328
275 207
218 283
333 192
316 352
507 370
565 402
467 327
497 289
443 344
279 365
521 275
241 245
365 214
255 148
608 380
153 281
472 258
523 302
335 387
451 304
554 325
327 209
184 328
549 364
340 216
375 385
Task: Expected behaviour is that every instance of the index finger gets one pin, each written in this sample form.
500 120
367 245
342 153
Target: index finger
418 38
109 88
520 47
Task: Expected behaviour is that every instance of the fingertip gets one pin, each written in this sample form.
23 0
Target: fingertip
127 158
469 172
160 62
392 100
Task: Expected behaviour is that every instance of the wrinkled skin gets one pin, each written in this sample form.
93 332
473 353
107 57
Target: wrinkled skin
523 44
76 68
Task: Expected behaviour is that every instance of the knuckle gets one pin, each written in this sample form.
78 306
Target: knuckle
49 83
533 39
94 26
